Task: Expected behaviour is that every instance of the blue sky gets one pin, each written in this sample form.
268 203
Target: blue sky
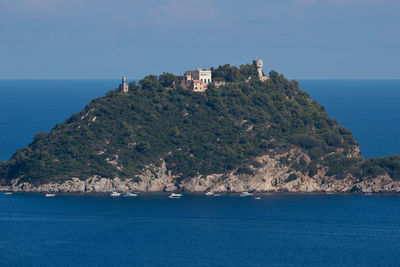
108 39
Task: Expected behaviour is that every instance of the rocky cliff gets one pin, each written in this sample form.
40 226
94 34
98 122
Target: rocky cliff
271 177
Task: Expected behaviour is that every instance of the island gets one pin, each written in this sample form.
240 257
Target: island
228 129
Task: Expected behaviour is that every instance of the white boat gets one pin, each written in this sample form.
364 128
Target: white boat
115 194
50 195
217 195
257 198
245 194
209 193
8 193
130 195
175 195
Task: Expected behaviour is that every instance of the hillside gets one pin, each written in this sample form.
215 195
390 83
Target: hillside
156 138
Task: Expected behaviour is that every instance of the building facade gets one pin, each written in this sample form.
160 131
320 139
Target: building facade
196 80
199 86
185 81
199 74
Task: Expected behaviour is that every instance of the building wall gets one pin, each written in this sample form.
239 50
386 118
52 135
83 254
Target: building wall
185 81
193 73
199 74
199 86
196 80
205 76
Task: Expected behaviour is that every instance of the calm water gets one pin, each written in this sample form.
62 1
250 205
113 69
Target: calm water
298 230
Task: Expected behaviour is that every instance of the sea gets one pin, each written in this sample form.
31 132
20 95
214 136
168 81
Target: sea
198 230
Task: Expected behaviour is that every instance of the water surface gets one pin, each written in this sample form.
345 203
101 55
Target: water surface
287 229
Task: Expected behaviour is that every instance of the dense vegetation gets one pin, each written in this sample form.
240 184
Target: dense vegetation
220 130
230 73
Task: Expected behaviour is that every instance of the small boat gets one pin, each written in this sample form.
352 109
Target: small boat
217 195
7 193
257 198
175 195
245 194
209 193
130 195
115 194
50 195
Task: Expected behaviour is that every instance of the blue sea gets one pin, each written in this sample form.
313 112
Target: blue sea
153 230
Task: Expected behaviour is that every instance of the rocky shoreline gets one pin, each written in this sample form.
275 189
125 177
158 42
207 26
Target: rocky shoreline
271 177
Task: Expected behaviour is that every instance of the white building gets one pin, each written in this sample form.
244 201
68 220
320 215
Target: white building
199 74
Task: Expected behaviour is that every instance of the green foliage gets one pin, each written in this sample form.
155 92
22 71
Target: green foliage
230 73
220 130
379 166
150 82
291 177
339 164
244 170
307 141
132 86
316 152
167 79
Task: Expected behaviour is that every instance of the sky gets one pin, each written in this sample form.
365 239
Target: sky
99 39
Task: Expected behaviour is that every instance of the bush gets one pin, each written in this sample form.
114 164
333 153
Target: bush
291 177
380 166
340 164
244 170
306 141
332 139
150 82
167 79
315 152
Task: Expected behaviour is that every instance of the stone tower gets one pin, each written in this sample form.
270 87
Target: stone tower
259 65
124 86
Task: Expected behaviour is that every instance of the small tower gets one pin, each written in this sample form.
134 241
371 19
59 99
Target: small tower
124 86
259 65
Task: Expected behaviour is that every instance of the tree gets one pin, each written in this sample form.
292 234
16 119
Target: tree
167 79
132 86
150 82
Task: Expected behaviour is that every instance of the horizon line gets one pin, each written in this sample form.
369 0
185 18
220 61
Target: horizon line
289 78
